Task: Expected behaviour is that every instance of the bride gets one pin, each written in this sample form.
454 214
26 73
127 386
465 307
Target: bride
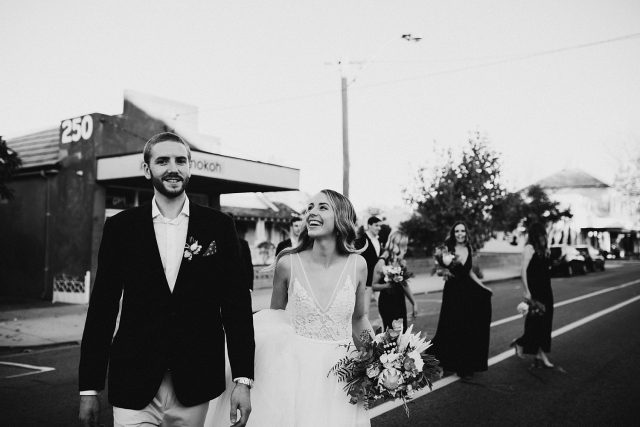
317 307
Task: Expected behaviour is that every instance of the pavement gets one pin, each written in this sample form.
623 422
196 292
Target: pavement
49 324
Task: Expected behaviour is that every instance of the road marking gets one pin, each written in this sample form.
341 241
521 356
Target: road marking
37 369
569 301
388 406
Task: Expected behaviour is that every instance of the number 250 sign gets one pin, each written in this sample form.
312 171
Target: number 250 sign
73 130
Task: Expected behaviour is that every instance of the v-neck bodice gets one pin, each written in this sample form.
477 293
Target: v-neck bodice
330 321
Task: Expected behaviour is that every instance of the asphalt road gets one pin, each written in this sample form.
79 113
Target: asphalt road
595 382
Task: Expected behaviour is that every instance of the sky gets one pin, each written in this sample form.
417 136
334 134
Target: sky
552 84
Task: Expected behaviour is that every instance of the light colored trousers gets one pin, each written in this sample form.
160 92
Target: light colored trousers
164 410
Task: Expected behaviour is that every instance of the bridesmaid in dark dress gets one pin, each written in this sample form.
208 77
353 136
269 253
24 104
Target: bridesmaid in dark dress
461 342
391 302
536 278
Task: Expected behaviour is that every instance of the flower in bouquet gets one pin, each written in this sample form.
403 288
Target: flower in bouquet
523 308
391 365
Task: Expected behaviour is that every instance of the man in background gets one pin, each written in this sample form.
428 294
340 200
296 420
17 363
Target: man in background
295 227
371 253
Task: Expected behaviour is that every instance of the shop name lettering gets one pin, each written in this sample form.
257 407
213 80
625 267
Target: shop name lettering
201 165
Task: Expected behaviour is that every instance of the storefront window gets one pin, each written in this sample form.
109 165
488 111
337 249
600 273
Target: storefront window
120 198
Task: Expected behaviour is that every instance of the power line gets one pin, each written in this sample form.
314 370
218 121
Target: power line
507 59
504 61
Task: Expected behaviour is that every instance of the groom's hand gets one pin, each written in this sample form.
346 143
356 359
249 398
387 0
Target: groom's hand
240 400
89 411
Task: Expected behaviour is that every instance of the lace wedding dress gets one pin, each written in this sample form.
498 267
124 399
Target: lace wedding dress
295 349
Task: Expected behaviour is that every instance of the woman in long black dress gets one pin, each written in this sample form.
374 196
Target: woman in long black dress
461 342
391 302
536 278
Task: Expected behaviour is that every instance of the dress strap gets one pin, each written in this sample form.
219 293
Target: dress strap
290 270
355 270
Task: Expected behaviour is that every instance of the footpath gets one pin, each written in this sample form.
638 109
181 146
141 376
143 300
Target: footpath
49 324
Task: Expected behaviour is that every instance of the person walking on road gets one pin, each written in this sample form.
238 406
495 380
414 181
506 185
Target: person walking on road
536 281
391 301
461 341
317 314
176 266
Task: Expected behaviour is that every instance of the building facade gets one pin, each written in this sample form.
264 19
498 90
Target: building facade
89 168
602 216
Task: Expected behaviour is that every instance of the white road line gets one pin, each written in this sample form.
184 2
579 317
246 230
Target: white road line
569 301
37 369
387 406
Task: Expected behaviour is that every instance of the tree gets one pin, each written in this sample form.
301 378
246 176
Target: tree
464 191
513 210
627 179
9 163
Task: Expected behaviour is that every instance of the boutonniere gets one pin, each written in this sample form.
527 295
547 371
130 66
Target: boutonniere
191 248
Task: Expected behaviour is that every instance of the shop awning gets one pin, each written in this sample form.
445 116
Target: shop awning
209 173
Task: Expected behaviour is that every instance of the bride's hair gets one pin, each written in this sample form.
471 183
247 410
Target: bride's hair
345 228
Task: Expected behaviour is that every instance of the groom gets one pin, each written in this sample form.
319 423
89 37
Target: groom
176 266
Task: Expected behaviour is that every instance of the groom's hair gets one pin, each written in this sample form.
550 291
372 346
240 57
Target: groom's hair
162 137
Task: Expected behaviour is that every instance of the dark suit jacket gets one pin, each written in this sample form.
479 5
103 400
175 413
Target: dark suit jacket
369 255
247 263
183 331
286 243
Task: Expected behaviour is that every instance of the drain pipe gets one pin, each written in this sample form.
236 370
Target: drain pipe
47 215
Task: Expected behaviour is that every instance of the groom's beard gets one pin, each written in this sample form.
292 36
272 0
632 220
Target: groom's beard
167 189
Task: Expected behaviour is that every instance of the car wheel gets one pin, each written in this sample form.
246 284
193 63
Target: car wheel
569 270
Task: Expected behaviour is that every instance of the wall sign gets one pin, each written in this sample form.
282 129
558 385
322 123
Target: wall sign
74 130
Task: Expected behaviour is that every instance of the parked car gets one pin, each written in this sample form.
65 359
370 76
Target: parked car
566 260
593 259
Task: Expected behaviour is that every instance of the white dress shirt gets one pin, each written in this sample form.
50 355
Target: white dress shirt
171 236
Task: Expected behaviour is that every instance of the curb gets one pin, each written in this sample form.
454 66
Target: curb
15 349
486 282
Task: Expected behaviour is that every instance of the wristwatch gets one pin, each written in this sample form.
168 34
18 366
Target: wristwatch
244 380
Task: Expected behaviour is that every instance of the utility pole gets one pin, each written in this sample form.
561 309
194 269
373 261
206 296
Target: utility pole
345 138
344 82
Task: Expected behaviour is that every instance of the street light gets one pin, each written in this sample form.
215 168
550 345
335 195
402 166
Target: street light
344 86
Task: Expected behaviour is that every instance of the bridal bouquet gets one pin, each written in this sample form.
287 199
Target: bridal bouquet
389 366
445 261
531 307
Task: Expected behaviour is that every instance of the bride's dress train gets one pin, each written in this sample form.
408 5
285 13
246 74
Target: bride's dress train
295 349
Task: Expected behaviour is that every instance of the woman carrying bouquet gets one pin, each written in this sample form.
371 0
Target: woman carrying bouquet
317 309
536 280
461 342
391 271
